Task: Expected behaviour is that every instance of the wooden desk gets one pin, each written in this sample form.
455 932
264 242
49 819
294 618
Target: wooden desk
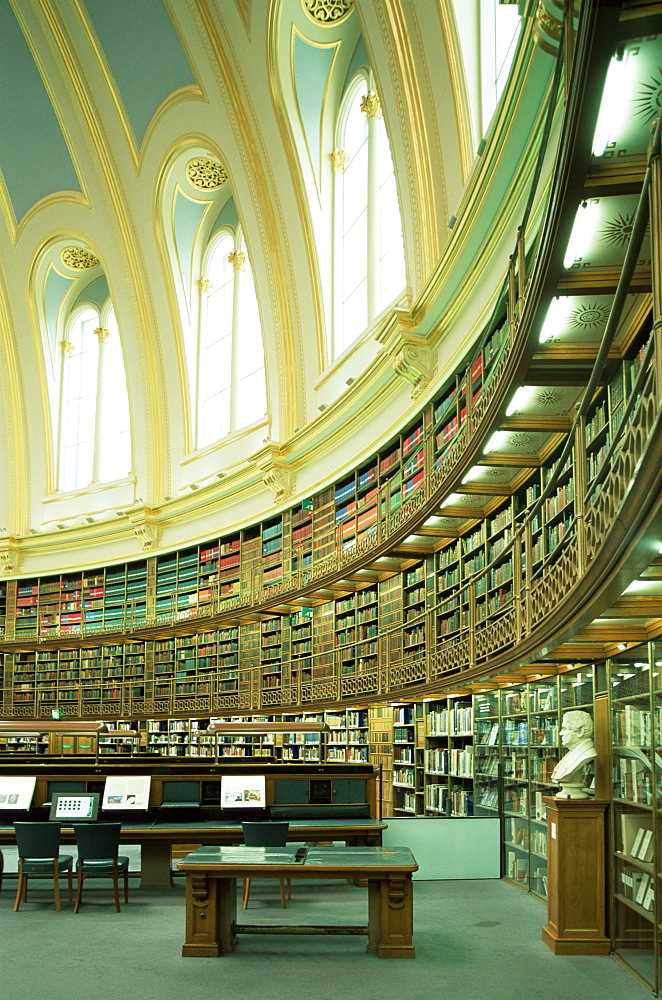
156 839
211 893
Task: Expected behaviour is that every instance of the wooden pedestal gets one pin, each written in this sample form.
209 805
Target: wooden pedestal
576 877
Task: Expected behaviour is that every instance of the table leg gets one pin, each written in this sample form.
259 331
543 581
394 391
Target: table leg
202 923
155 862
227 914
391 917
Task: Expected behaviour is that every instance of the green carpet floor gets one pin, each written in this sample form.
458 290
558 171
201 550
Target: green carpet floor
474 940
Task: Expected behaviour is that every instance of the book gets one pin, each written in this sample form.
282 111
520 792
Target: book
642 889
637 842
646 847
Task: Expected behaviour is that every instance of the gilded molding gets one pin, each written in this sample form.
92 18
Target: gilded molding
102 334
547 30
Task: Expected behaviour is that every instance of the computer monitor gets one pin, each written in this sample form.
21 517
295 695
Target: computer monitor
243 794
74 807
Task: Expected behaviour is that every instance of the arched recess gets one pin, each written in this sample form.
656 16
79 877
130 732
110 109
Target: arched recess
197 209
69 290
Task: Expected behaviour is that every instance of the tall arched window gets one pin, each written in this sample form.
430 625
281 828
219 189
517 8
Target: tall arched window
231 380
369 250
95 441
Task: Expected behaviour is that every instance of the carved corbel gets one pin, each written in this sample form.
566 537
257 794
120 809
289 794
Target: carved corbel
415 363
145 529
9 559
276 474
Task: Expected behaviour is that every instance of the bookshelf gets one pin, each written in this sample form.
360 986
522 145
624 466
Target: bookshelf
273 551
636 724
408 788
487 755
271 653
414 605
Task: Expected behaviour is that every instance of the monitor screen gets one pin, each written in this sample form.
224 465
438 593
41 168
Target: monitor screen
123 792
78 806
243 791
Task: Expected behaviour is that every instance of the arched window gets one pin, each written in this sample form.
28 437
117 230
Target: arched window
231 380
369 250
95 441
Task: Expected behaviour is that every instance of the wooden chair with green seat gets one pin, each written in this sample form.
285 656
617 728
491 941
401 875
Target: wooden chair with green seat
266 834
39 855
98 857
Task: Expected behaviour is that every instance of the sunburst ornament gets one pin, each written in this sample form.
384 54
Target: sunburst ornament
589 315
619 231
520 440
548 397
647 104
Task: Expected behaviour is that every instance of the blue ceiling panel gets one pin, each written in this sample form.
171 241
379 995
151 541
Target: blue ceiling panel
144 54
34 158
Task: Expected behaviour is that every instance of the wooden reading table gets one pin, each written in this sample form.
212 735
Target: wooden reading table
211 893
156 840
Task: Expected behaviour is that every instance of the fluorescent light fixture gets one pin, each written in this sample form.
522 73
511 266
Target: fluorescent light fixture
519 399
451 499
621 645
495 441
556 316
583 231
615 98
473 473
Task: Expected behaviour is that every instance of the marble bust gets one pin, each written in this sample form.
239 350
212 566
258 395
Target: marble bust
577 736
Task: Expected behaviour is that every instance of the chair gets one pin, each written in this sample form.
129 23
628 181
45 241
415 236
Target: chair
39 854
98 846
266 835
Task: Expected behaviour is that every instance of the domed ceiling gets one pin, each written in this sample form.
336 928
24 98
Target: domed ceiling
105 107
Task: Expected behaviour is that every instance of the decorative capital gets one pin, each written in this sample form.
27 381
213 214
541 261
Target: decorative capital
416 364
102 334
339 160
204 285
237 258
371 106
67 347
